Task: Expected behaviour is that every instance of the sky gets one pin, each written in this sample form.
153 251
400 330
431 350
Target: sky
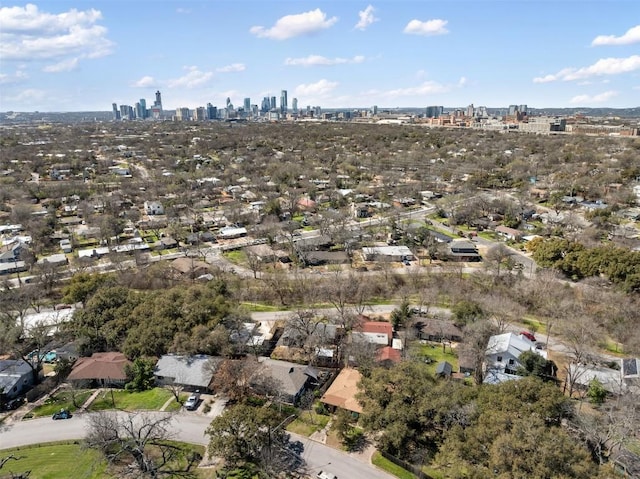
84 55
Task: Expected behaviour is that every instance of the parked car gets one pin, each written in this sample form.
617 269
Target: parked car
326 475
13 404
191 403
528 335
62 414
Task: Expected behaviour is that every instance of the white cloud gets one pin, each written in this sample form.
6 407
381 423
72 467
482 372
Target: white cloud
145 82
26 97
426 88
604 66
319 60
587 99
193 78
463 81
631 36
318 89
291 26
17 77
430 27
26 33
63 66
234 67
366 18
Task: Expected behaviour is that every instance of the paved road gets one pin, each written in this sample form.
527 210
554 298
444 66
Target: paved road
190 428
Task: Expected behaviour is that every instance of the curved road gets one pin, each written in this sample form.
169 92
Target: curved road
188 428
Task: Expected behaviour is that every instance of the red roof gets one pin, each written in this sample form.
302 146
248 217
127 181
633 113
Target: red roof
389 354
378 327
109 366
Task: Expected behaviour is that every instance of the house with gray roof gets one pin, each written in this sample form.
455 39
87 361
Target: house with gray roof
190 372
16 378
501 357
292 379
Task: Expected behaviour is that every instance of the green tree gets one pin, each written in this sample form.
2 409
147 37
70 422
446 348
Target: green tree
82 286
532 364
140 374
596 392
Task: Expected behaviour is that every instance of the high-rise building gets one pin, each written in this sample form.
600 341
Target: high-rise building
183 114
523 109
126 112
294 105
374 110
273 105
212 112
469 111
139 111
201 113
513 109
156 109
143 107
434 111
247 105
283 102
116 112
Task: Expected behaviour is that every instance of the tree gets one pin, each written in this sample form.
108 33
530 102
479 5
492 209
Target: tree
596 392
401 315
82 286
140 374
532 364
245 434
499 258
142 440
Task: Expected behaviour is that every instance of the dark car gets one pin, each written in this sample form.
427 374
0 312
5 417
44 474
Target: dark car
62 414
13 404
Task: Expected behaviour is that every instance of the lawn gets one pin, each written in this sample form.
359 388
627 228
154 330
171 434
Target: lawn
71 459
307 425
432 354
63 399
175 405
236 256
153 400
260 308
390 467
52 461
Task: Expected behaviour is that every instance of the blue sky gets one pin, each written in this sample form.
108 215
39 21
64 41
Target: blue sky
84 55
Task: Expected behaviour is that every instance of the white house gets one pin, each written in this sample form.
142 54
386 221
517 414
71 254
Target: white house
501 357
387 253
153 208
230 232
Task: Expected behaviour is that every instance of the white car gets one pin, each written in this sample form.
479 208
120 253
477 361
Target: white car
326 475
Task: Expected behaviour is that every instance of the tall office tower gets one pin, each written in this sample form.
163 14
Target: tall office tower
126 112
143 107
158 101
265 106
283 102
308 110
183 114
247 105
201 113
374 110
294 105
273 103
156 109
317 111
523 109
434 111
212 112
513 109
470 110
116 112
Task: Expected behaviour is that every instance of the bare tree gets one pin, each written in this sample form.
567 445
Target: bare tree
142 440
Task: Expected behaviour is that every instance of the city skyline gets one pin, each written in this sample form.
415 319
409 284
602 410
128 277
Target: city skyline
83 55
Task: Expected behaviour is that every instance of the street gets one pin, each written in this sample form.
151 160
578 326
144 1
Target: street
188 428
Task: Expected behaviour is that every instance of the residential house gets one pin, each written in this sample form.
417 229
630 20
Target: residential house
153 208
292 379
388 356
189 372
66 246
387 253
625 378
463 250
101 369
317 258
16 378
375 332
231 232
190 267
343 391
501 357
10 253
508 233
439 330
57 259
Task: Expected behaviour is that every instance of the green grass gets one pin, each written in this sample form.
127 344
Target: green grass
304 425
432 354
260 308
236 256
152 400
390 467
61 400
175 405
56 460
